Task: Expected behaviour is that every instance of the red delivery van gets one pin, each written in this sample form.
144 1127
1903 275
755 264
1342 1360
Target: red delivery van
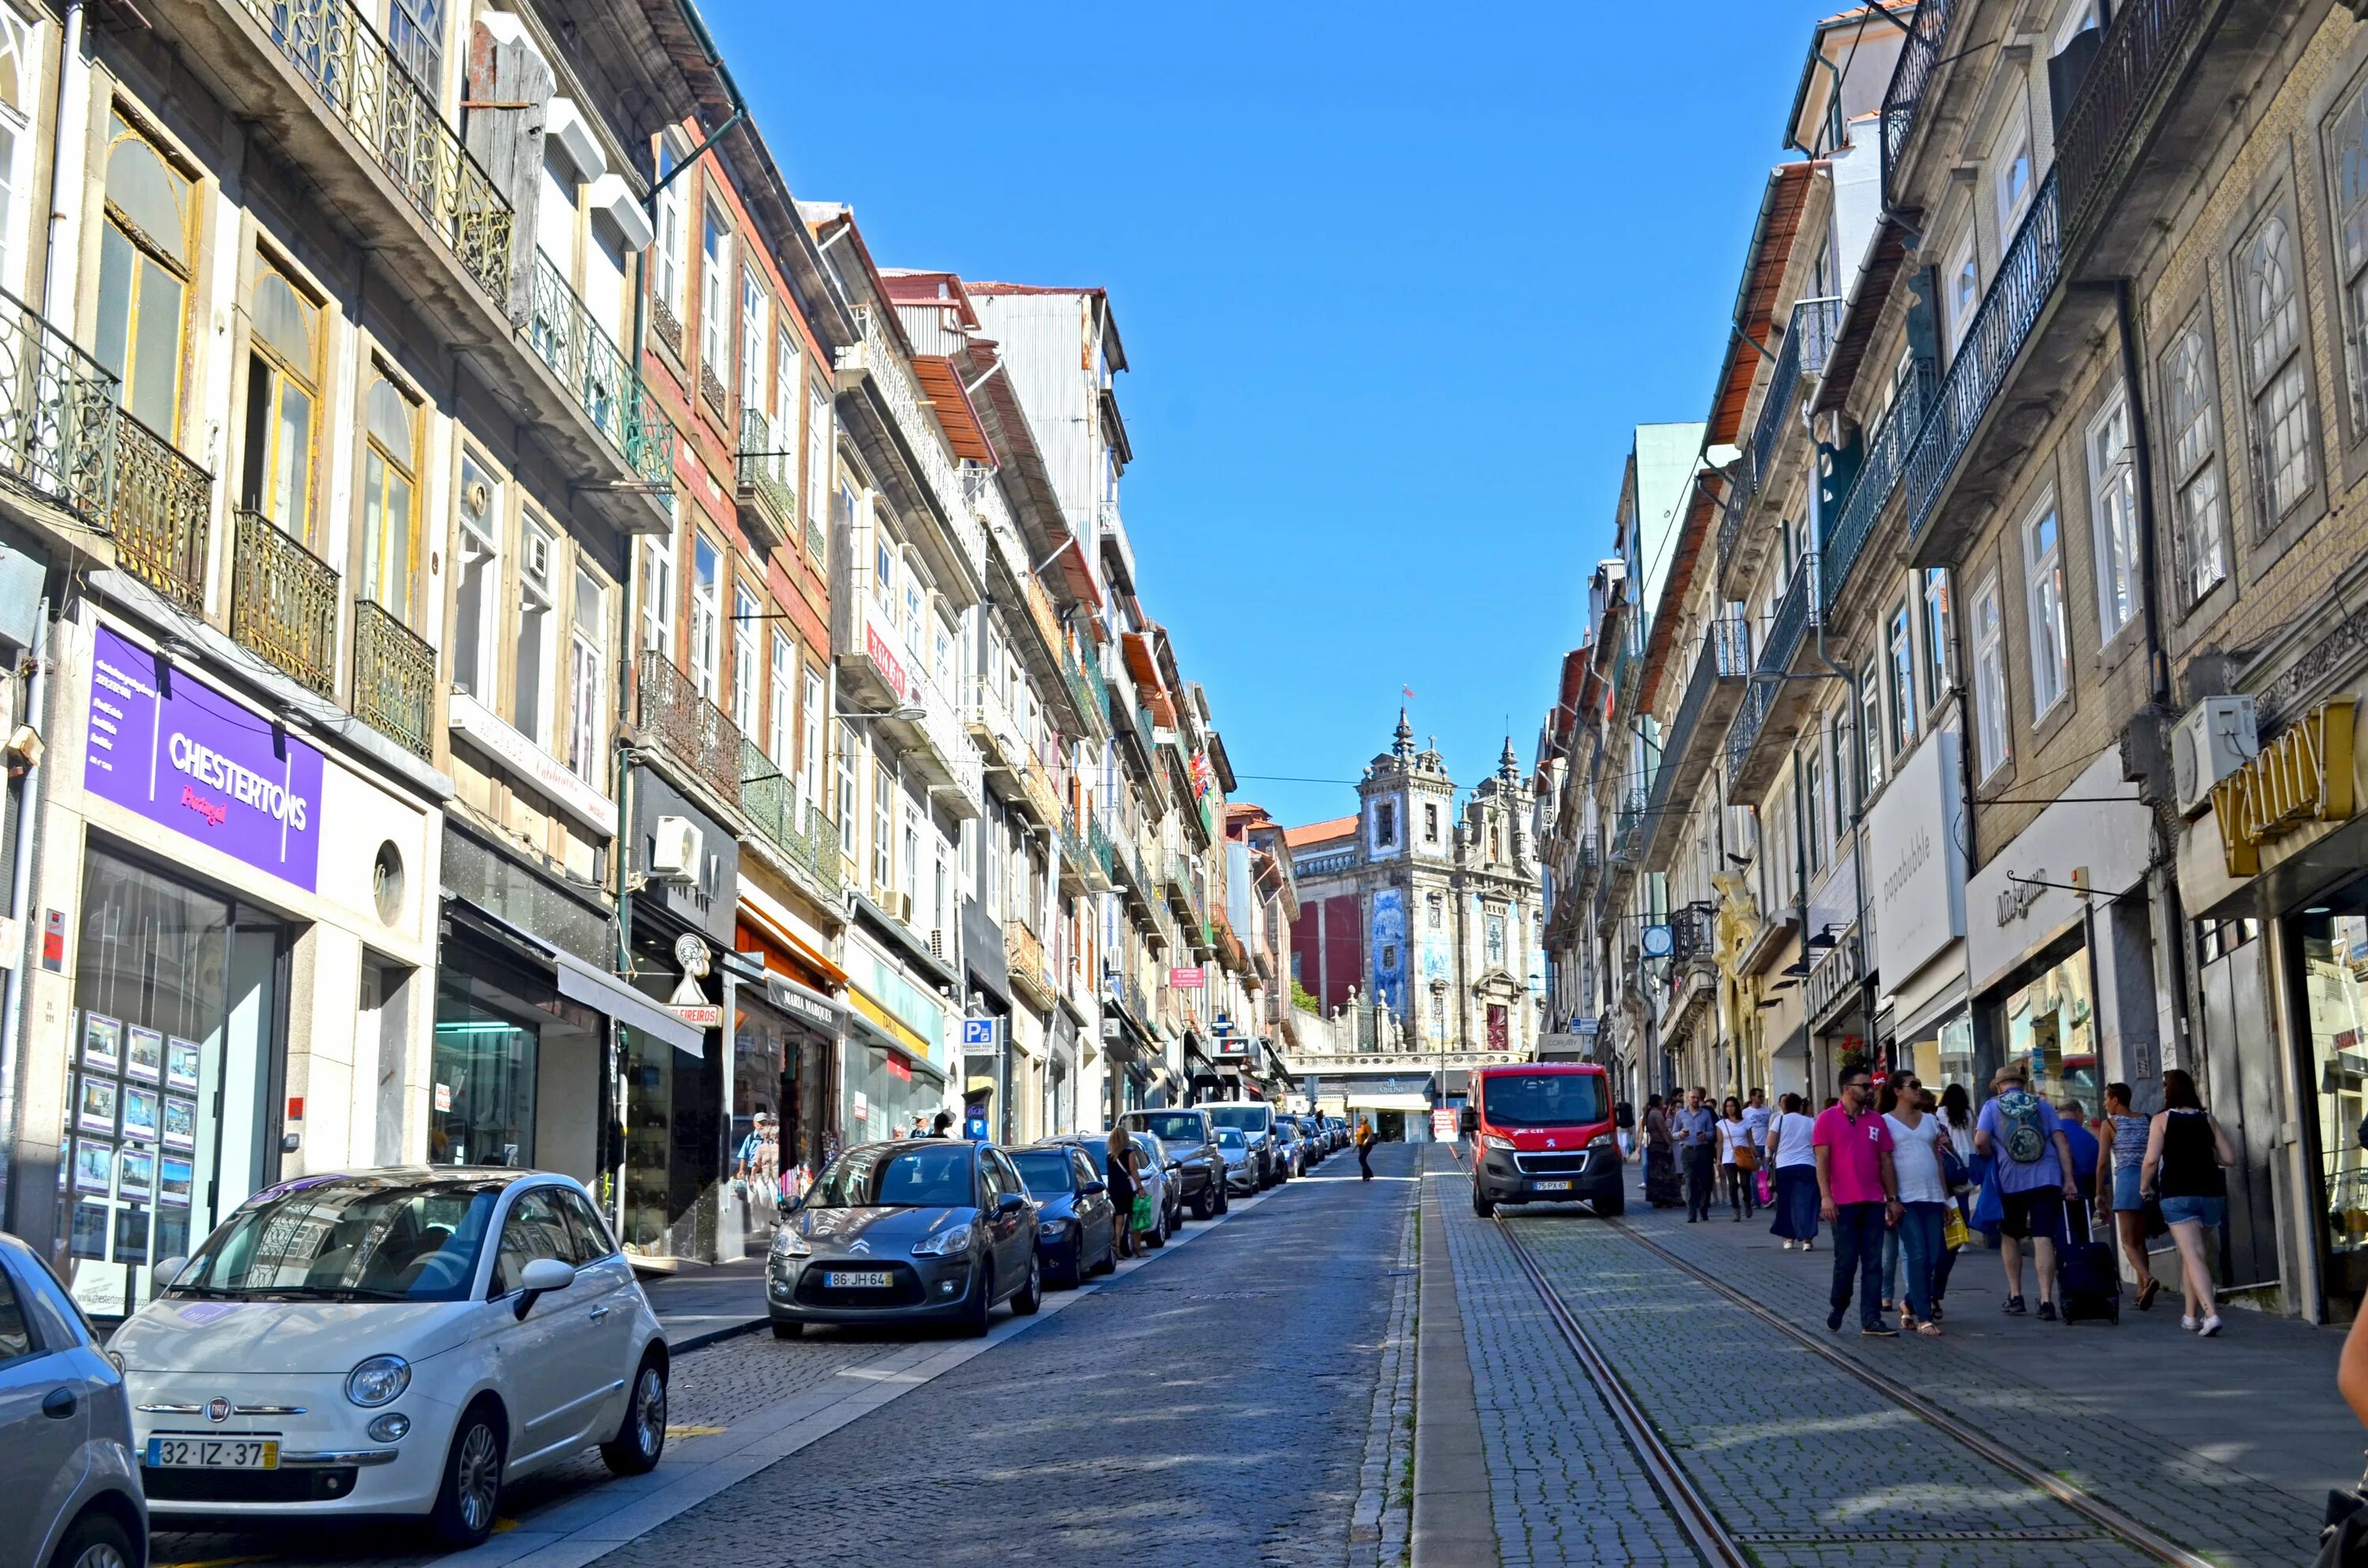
1542 1133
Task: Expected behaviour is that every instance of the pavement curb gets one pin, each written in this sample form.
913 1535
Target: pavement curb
706 1338
1454 1522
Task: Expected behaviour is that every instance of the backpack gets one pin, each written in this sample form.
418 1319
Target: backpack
2026 1132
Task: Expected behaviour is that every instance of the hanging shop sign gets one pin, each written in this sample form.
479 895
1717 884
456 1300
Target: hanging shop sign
2303 776
167 746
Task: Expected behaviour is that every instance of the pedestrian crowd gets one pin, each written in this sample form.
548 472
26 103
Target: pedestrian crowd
1903 1179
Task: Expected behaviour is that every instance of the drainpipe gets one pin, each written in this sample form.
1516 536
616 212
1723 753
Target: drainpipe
66 167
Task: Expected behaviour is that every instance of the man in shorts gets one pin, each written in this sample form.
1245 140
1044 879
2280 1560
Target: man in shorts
2032 1163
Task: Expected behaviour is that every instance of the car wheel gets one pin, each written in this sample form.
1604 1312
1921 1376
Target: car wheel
95 1541
1157 1236
1481 1205
1071 1274
1109 1265
1204 1206
641 1436
981 1302
470 1500
1031 1294
1611 1205
784 1329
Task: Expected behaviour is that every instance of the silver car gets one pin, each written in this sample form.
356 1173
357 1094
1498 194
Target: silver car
66 1462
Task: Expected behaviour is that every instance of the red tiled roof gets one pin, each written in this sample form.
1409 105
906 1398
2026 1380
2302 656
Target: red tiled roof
1319 832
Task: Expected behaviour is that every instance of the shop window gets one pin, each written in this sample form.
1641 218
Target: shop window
481 1084
172 1057
282 395
144 277
391 499
2331 942
2049 1026
476 615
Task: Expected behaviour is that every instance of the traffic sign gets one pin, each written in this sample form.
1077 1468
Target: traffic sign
980 1031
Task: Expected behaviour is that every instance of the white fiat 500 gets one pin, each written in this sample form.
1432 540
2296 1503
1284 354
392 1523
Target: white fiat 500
361 1344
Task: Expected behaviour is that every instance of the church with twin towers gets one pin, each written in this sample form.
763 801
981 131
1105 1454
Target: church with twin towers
1424 910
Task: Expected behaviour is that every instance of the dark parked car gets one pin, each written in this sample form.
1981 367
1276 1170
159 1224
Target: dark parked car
66 1461
918 1231
1291 1148
1312 1137
1156 1175
1073 1212
1190 1141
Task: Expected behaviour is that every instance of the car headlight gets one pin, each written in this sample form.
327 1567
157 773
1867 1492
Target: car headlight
378 1380
786 1242
1052 1230
945 1244
1495 1141
1600 1141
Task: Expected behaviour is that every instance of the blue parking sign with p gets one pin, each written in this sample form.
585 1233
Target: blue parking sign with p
978 1031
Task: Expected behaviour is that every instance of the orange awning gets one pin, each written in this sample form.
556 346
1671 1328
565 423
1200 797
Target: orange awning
1143 665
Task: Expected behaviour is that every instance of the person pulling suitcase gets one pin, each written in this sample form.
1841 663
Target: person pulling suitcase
2088 1279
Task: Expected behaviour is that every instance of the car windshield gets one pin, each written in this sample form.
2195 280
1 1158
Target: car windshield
352 1239
1047 1172
886 1176
1248 1117
1231 1138
1171 1126
1543 1099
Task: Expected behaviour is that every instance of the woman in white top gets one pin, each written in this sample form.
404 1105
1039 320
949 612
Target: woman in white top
1739 1159
1793 1154
1915 1140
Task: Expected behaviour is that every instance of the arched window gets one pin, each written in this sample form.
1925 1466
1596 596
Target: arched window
282 400
390 498
2276 377
144 277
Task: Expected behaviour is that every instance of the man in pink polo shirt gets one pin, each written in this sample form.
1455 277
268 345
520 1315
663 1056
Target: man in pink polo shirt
1861 1195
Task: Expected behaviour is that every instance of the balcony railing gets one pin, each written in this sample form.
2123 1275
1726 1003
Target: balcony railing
57 407
767 473
1797 610
283 603
1751 719
770 800
395 678
333 45
1098 846
1807 340
2025 279
1732 513
697 735
1023 953
1036 786
2111 109
588 363
1724 657
1870 492
1628 827
1919 58
160 513
918 420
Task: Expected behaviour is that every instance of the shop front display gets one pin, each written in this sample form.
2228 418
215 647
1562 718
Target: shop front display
174 1073
482 1082
2329 945
782 1089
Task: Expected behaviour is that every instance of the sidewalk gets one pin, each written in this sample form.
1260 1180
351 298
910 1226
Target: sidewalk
2158 1421
706 1302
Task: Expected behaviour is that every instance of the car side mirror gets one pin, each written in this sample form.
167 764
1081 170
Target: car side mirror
1467 1121
161 1277
539 1278
1010 1203
1091 1187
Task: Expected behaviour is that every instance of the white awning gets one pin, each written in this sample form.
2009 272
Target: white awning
1359 1100
604 992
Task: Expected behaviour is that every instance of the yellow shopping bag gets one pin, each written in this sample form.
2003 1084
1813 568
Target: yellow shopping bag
1954 1235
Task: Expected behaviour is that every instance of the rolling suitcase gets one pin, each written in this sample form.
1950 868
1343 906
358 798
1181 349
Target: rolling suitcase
2087 1279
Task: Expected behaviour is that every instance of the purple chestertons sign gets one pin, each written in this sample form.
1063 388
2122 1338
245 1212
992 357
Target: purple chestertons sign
183 755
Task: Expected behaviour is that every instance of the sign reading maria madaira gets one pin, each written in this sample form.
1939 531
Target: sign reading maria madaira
181 754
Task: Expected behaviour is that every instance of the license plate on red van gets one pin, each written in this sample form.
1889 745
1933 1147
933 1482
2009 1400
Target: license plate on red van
1551 1186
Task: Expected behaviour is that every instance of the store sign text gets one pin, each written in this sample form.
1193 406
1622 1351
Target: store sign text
2303 775
171 748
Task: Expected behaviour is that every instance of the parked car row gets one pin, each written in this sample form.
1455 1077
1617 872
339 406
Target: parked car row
387 1343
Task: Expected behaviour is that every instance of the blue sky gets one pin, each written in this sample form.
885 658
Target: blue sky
1395 283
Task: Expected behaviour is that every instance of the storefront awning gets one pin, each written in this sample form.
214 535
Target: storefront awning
861 1028
585 984
604 992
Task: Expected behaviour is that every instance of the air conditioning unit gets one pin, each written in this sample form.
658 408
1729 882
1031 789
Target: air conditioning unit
676 851
937 944
899 905
2214 739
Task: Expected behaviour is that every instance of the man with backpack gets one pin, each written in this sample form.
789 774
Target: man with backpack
2032 1163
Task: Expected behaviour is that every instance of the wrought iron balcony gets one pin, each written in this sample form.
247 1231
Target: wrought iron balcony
2026 277
1023 954
770 800
161 512
283 603
1870 490
1036 790
916 419
367 88
1712 691
766 469
2118 100
1590 852
1796 611
699 736
1732 511
587 361
57 425
1628 827
1911 75
395 678
1099 849
1750 723
1808 339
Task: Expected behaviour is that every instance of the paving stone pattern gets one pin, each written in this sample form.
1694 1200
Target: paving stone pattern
1807 1465
1213 1408
2160 1425
1379 1524
1564 1486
